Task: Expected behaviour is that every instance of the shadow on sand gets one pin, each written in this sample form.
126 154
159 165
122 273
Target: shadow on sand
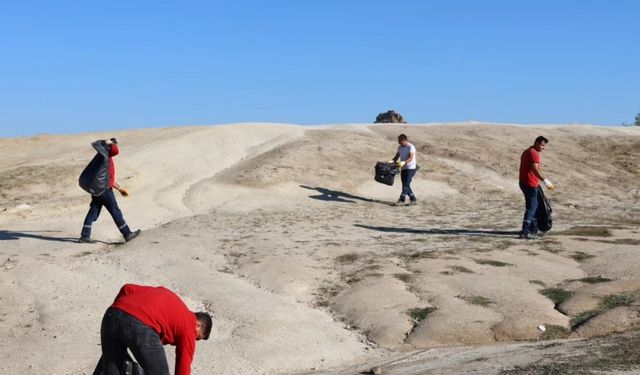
7 235
450 232
338 196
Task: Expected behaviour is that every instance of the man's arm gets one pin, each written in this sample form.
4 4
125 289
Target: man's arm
185 350
411 156
395 158
535 167
123 191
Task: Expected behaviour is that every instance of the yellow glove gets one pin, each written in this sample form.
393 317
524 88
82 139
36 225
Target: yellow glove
390 162
401 164
549 184
124 192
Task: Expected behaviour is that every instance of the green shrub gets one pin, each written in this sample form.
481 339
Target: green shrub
557 295
419 314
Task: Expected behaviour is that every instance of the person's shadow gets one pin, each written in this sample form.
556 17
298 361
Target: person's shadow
436 231
338 196
7 235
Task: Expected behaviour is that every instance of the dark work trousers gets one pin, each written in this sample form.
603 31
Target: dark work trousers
108 200
406 175
120 331
530 223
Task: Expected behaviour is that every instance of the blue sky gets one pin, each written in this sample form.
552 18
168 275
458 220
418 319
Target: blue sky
74 66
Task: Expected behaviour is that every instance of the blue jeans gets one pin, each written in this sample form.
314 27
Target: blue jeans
108 200
529 223
120 331
406 175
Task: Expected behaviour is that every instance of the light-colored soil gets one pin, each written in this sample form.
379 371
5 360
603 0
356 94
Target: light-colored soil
281 232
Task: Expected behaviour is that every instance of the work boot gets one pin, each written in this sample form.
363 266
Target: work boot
413 202
86 240
132 235
527 236
398 203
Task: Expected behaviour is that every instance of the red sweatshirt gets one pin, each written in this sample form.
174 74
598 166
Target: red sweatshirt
163 311
113 151
527 177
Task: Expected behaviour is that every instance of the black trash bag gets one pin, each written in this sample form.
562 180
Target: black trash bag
94 179
386 172
543 214
131 367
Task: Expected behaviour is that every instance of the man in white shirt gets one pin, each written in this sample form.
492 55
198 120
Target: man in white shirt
407 164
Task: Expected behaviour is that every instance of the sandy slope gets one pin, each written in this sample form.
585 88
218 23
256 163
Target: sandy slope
280 231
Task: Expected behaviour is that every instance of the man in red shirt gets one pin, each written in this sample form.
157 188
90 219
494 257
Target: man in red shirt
108 200
143 319
530 177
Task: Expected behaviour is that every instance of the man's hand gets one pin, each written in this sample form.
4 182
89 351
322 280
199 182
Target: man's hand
549 184
401 164
391 161
124 192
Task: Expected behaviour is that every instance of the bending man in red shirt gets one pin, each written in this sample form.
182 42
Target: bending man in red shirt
530 177
108 200
143 319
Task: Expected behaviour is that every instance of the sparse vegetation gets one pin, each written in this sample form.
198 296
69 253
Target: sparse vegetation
557 295
607 303
419 314
352 280
587 231
460 269
616 300
404 277
491 262
593 279
581 318
621 353
424 254
555 332
551 247
324 295
503 245
477 300
347 258
479 359
580 256
622 241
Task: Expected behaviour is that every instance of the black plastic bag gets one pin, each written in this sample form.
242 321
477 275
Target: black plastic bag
386 172
94 179
543 214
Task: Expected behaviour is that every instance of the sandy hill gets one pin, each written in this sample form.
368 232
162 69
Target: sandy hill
281 232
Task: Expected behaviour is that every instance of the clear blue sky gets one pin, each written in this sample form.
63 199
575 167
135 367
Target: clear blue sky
73 66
